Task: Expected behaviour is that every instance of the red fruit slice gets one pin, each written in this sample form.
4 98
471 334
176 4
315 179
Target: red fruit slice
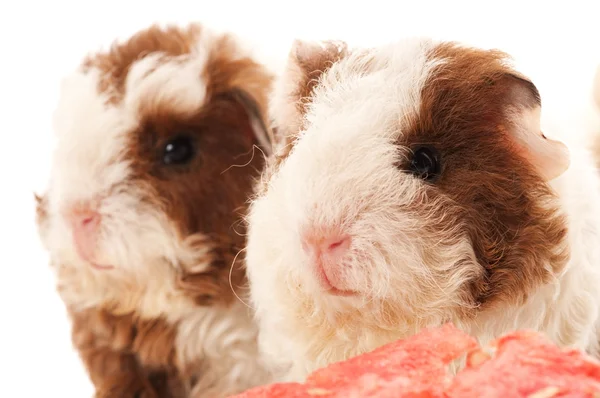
526 364
291 390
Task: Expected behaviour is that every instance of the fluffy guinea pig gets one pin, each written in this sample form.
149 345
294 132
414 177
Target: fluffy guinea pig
411 185
159 142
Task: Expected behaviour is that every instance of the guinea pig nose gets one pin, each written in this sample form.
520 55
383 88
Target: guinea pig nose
84 218
337 245
85 222
331 245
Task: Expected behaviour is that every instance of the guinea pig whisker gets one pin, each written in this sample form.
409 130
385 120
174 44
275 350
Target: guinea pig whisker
261 151
231 282
234 228
241 209
242 165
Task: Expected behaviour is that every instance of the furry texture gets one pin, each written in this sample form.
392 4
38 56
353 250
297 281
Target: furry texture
165 320
596 105
504 239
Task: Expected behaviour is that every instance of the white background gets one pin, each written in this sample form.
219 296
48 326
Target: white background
558 46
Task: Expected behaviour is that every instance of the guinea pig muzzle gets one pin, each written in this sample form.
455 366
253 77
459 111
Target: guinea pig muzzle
326 249
85 224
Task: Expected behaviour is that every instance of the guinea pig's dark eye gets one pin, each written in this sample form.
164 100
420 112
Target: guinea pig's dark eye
179 150
425 163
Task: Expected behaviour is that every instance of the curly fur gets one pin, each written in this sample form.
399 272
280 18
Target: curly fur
499 242
165 321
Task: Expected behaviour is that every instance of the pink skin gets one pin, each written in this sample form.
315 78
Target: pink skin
326 250
85 224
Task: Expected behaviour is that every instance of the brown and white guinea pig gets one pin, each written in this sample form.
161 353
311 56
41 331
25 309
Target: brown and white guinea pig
154 162
411 185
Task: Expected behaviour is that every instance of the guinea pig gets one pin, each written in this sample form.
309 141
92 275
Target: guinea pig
412 184
158 145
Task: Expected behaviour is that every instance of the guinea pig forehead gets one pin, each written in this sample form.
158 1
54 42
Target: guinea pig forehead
116 63
381 102
159 82
181 87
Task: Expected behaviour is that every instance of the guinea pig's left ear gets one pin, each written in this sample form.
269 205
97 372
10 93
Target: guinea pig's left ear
550 157
294 89
257 118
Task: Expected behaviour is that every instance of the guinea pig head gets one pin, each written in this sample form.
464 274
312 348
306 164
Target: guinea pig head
411 179
156 152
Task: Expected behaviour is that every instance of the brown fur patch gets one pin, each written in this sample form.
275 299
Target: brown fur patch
227 74
209 194
212 287
486 188
126 357
313 64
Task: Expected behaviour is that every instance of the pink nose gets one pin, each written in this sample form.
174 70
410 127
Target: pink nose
332 246
85 223
85 220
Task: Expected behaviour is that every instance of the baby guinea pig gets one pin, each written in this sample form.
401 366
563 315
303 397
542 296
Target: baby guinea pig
156 154
411 185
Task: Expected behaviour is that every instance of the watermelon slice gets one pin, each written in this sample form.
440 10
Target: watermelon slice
278 390
414 367
525 364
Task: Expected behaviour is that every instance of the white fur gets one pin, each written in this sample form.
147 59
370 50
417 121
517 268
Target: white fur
137 238
173 82
341 171
227 341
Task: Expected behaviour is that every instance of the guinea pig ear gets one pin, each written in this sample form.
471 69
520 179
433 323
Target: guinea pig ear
307 61
550 157
261 131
